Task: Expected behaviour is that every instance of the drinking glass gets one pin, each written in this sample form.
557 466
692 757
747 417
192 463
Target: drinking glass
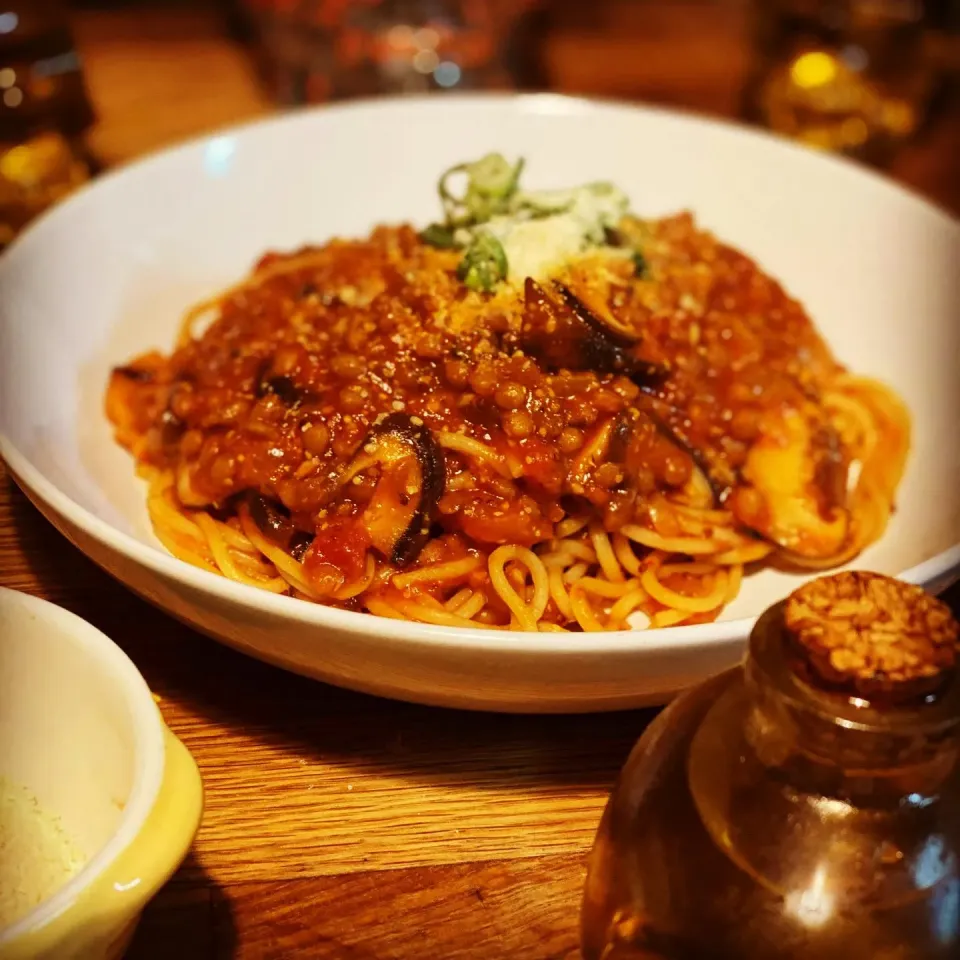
316 50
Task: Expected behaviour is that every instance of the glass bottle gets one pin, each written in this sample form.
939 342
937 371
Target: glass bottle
44 112
853 76
803 807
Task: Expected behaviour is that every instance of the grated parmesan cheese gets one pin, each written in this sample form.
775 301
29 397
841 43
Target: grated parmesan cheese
37 856
549 227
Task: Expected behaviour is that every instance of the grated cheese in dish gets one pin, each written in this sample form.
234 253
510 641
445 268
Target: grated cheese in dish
37 856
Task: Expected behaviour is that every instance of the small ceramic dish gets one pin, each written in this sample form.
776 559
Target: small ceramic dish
83 746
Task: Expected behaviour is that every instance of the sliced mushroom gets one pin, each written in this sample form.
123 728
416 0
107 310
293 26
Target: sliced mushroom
136 374
627 442
146 368
274 523
606 444
299 545
171 428
282 387
718 479
411 482
794 487
832 473
568 335
609 330
136 396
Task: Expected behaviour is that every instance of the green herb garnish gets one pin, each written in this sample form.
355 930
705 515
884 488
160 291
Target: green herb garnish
639 264
486 214
438 235
484 264
491 182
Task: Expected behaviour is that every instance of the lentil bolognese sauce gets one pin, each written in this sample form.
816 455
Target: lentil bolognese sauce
540 413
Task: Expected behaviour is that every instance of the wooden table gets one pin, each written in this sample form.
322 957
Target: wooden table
337 825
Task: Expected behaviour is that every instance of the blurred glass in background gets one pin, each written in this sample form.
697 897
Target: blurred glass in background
44 112
317 50
855 76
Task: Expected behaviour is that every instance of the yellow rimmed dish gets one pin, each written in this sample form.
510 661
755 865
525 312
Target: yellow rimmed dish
81 733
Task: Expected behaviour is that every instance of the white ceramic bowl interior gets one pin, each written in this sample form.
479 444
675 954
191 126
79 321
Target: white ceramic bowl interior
79 729
109 273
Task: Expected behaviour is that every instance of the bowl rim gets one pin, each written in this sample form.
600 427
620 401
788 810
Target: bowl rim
149 752
159 562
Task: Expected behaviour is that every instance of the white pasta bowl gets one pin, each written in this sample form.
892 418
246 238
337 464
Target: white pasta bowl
108 274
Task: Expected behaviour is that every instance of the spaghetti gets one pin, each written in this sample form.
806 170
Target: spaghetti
601 447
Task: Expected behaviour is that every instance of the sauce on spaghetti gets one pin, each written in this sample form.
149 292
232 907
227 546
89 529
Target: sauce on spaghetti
630 426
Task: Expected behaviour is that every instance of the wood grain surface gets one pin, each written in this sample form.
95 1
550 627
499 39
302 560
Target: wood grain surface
338 825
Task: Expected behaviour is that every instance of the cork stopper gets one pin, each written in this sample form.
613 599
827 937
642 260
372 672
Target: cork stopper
871 636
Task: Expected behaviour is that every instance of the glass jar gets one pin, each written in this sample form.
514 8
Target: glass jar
853 76
44 112
803 807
